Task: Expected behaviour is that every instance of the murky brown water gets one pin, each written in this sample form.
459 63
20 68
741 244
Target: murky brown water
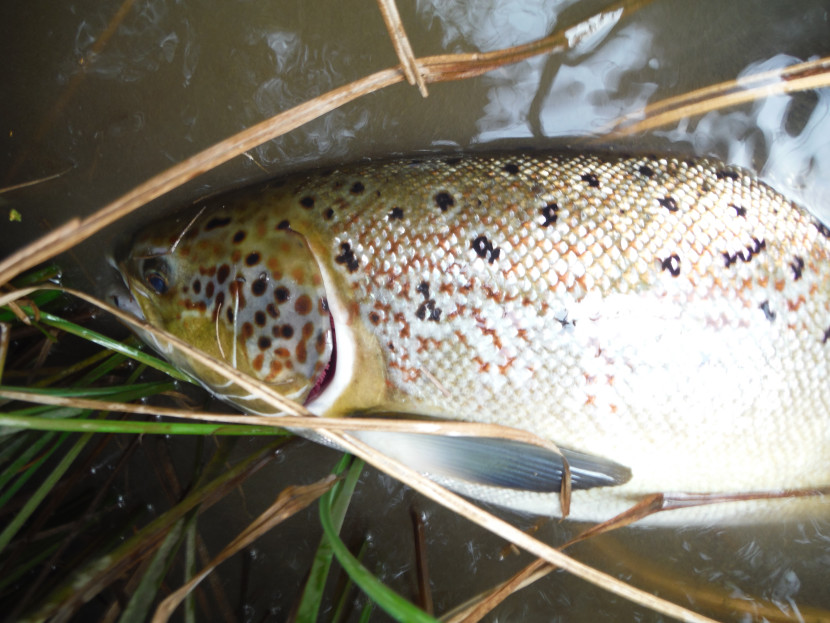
177 76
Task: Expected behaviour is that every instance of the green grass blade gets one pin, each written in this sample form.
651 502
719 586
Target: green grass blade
103 368
17 467
130 426
142 601
114 345
137 390
190 569
37 497
309 607
396 606
48 272
31 561
342 603
367 612
40 298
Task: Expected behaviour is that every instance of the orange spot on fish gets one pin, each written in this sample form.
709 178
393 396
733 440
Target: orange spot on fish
301 352
303 305
794 305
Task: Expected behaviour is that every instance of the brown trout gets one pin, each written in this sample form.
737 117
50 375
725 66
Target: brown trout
665 321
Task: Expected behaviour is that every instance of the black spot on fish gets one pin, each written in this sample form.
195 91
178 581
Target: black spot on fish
549 214
252 259
739 210
259 285
646 170
217 221
209 290
239 236
724 174
324 304
259 318
511 168
448 161
671 264
768 313
220 300
374 317
423 289
823 229
745 255
797 265
272 310
669 203
281 294
395 214
229 313
222 273
197 286
307 202
444 200
347 257
264 342
283 225
591 179
328 213
357 188
485 249
287 331
428 311
826 336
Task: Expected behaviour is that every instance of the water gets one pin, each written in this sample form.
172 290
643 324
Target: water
174 77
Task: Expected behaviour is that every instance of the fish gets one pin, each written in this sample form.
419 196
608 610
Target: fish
663 321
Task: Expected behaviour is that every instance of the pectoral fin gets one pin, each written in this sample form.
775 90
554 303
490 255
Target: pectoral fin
497 462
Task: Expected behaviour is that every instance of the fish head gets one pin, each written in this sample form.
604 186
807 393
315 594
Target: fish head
243 288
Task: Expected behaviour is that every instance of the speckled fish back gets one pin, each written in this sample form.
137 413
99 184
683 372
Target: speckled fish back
620 306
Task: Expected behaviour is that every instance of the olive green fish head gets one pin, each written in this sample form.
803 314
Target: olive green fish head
241 287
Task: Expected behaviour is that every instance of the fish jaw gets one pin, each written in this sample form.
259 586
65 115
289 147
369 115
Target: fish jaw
249 296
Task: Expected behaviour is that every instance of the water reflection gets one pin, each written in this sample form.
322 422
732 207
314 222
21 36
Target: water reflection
589 93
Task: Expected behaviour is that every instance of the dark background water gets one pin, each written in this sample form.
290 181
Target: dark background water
175 77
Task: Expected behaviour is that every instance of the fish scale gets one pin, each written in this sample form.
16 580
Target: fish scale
669 315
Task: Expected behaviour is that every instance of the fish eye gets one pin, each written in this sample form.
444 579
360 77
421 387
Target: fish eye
155 271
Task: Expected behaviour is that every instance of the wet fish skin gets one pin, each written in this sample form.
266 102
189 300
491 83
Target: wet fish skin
669 315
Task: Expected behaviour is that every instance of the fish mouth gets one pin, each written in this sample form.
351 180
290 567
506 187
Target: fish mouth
118 292
336 377
325 378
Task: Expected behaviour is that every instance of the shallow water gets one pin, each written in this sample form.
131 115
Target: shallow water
176 77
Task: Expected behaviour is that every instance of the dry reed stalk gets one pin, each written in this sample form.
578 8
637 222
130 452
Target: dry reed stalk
801 77
392 19
290 501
